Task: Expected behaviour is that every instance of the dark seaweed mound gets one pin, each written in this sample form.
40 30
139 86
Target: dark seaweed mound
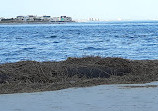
31 76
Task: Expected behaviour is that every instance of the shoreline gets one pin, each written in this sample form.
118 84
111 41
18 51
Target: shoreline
32 76
21 23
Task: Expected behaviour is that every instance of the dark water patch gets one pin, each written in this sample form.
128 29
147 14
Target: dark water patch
21 44
116 36
93 48
28 48
131 37
52 36
99 41
56 42
153 44
12 54
19 38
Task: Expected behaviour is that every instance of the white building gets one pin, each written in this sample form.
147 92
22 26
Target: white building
30 18
61 19
1 18
46 18
55 19
21 18
38 19
65 19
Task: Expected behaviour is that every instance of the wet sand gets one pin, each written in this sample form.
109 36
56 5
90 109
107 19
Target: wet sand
97 98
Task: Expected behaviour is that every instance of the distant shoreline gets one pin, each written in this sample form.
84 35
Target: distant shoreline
65 22
19 23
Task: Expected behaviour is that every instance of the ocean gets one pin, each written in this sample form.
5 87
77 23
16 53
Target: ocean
136 40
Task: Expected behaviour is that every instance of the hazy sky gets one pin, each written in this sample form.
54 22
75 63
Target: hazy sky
82 9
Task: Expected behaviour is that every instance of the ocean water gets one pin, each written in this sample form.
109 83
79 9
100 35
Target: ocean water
55 42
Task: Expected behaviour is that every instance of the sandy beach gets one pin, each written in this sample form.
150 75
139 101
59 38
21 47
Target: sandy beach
137 97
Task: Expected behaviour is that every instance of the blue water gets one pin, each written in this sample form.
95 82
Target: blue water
55 42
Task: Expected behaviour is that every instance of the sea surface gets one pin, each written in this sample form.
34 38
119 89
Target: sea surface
54 42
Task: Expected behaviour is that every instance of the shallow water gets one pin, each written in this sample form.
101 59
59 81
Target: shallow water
49 42
97 98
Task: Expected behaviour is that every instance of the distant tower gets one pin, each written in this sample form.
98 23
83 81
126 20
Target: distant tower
90 19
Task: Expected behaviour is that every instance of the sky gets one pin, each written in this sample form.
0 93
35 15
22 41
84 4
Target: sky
83 9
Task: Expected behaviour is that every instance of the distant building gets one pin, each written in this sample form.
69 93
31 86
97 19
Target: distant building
65 19
93 19
61 19
55 19
21 18
30 18
38 19
46 18
7 20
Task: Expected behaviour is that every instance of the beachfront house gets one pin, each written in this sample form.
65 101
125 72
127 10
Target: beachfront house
46 18
61 19
7 20
21 18
65 19
55 19
30 18
38 19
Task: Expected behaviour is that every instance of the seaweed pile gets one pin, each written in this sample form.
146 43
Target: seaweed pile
32 76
